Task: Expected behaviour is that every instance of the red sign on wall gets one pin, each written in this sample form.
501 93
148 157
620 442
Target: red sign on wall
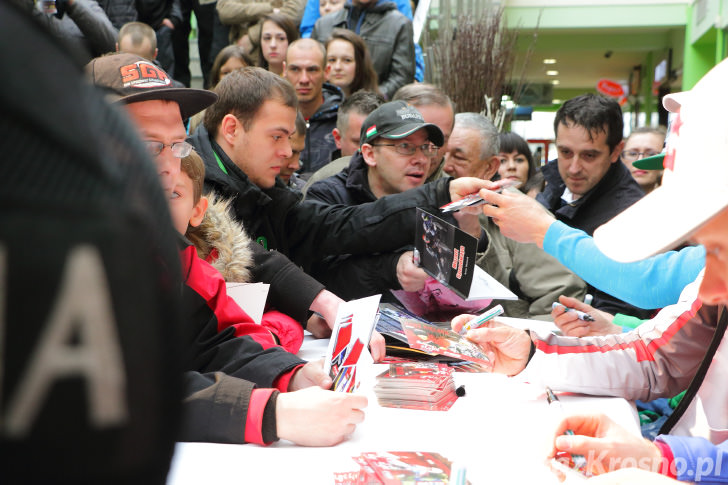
610 88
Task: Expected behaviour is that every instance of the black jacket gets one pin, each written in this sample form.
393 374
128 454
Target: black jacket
153 12
615 192
348 187
353 277
291 290
320 142
308 231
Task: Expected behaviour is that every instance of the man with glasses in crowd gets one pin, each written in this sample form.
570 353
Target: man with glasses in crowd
396 147
642 143
587 185
394 155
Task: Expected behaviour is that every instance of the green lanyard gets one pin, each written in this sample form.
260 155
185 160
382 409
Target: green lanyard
219 163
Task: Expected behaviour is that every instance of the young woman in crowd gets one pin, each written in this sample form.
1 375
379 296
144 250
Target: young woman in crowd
228 59
351 66
276 33
517 163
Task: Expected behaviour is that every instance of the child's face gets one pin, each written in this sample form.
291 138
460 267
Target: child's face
182 207
328 6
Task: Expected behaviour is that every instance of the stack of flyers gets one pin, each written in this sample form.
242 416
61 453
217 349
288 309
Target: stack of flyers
399 467
430 338
416 385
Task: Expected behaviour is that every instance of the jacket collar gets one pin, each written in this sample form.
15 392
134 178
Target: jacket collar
614 176
357 176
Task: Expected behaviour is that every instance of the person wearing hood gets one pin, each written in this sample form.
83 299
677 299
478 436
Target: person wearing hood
387 33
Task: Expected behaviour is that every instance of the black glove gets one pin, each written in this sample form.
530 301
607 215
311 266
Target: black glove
61 6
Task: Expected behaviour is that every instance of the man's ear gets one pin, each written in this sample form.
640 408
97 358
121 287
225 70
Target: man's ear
230 126
156 52
117 47
367 151
198 212
490 167
337 137
285 70
327 71
614 156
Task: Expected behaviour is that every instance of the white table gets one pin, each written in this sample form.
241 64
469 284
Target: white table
501 431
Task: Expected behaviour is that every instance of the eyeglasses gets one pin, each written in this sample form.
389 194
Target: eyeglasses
180 149
631 155
407 149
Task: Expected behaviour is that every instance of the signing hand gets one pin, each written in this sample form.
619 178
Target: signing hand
606 445
506 347
571 326
314 417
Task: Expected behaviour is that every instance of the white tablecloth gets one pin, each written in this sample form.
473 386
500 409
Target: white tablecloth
500 431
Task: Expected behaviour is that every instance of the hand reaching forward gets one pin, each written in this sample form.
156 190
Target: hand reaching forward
506 347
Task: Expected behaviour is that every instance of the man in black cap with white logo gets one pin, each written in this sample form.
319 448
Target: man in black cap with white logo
394 156
396 147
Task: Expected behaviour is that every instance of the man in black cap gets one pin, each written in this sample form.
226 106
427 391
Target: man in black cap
395 150
394 156
222 403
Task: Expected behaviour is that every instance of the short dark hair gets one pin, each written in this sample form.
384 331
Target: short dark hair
285 24
137 32
513 142
362 102
241 94
300 124
225 55
595 114
308 44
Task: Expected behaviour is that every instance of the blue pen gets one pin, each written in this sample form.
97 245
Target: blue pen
579 314
488 315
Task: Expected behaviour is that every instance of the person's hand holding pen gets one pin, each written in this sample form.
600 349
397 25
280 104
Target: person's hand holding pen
571 325
604 444
506 347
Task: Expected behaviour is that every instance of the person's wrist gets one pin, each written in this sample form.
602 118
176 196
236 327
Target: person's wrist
324 301
541 230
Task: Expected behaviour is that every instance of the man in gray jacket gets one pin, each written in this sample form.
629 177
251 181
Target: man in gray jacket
387 33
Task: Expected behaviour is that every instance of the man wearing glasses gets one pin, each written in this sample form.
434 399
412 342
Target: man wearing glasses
587 185
394 156
396 147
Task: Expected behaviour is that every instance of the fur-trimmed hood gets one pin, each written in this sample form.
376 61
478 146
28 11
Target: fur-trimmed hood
221 232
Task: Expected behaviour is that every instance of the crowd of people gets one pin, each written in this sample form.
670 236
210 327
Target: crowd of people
301 166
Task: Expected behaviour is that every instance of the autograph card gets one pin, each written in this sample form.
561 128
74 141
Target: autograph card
442 341
355 321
